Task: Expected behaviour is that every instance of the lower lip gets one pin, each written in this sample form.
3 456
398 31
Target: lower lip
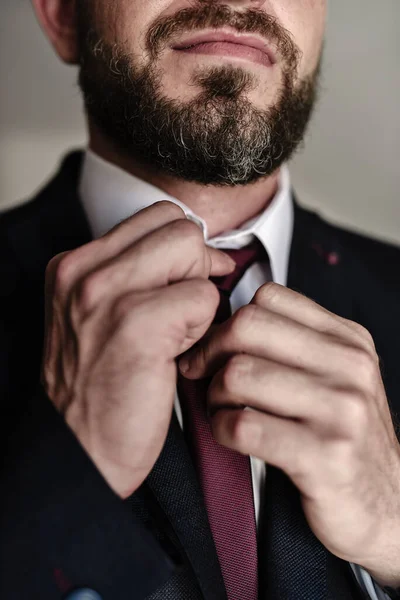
230 50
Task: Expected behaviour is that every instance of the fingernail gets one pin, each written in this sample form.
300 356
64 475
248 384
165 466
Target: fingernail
227 258
230 260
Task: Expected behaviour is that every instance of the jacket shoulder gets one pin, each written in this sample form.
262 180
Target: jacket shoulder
381 259
63 181
377 253
51 222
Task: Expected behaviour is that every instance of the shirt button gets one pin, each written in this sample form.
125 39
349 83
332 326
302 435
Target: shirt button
84 594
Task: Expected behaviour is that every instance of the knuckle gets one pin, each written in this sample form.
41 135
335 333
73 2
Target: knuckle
243 430
208 293
233 373
352 415
242 320
297 464
268 295
204 298
362 332
186 229
52 265
206 290
89 291
365 366
356 410
63 270
361 364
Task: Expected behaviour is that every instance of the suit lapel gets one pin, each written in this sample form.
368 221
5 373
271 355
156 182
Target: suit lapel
174 483
318 269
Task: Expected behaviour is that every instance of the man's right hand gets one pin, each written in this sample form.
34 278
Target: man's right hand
119 310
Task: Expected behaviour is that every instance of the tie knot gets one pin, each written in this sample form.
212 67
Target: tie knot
244 259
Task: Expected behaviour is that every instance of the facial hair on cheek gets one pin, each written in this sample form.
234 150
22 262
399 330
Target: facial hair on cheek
217 138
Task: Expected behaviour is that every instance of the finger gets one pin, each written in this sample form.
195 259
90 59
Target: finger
87 257
140 224
220 263
283 443
165 322
79 262
50 331
274 388
295 306
51 276
172 253
150 219
258 332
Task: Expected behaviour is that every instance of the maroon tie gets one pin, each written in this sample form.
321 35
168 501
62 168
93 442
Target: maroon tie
224 474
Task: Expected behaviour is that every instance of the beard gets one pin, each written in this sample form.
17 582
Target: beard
219 137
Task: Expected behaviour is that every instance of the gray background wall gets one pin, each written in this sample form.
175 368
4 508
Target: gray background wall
349 169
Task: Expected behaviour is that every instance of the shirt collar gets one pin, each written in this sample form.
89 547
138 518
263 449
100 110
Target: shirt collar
110 195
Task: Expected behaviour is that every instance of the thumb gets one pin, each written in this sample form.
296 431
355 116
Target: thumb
207 356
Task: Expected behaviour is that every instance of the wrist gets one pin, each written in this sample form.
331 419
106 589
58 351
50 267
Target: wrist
382 563
121 478
124 481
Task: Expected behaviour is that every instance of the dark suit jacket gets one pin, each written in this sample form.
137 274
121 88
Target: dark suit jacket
61 525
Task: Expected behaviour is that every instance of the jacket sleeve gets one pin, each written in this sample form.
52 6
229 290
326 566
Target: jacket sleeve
61 525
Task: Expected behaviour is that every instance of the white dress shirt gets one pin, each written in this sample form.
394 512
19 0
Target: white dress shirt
110 195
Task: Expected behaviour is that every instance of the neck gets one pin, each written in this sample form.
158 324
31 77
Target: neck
222 208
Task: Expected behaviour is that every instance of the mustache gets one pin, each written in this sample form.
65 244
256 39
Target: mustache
209 15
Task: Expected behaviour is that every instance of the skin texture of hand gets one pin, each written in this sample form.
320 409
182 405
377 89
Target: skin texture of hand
318 410
119 310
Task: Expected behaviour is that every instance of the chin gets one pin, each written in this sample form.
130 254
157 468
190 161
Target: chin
260 98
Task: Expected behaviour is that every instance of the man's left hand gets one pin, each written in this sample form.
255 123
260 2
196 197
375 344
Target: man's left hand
321 414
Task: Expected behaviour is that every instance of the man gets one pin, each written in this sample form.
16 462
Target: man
207 409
